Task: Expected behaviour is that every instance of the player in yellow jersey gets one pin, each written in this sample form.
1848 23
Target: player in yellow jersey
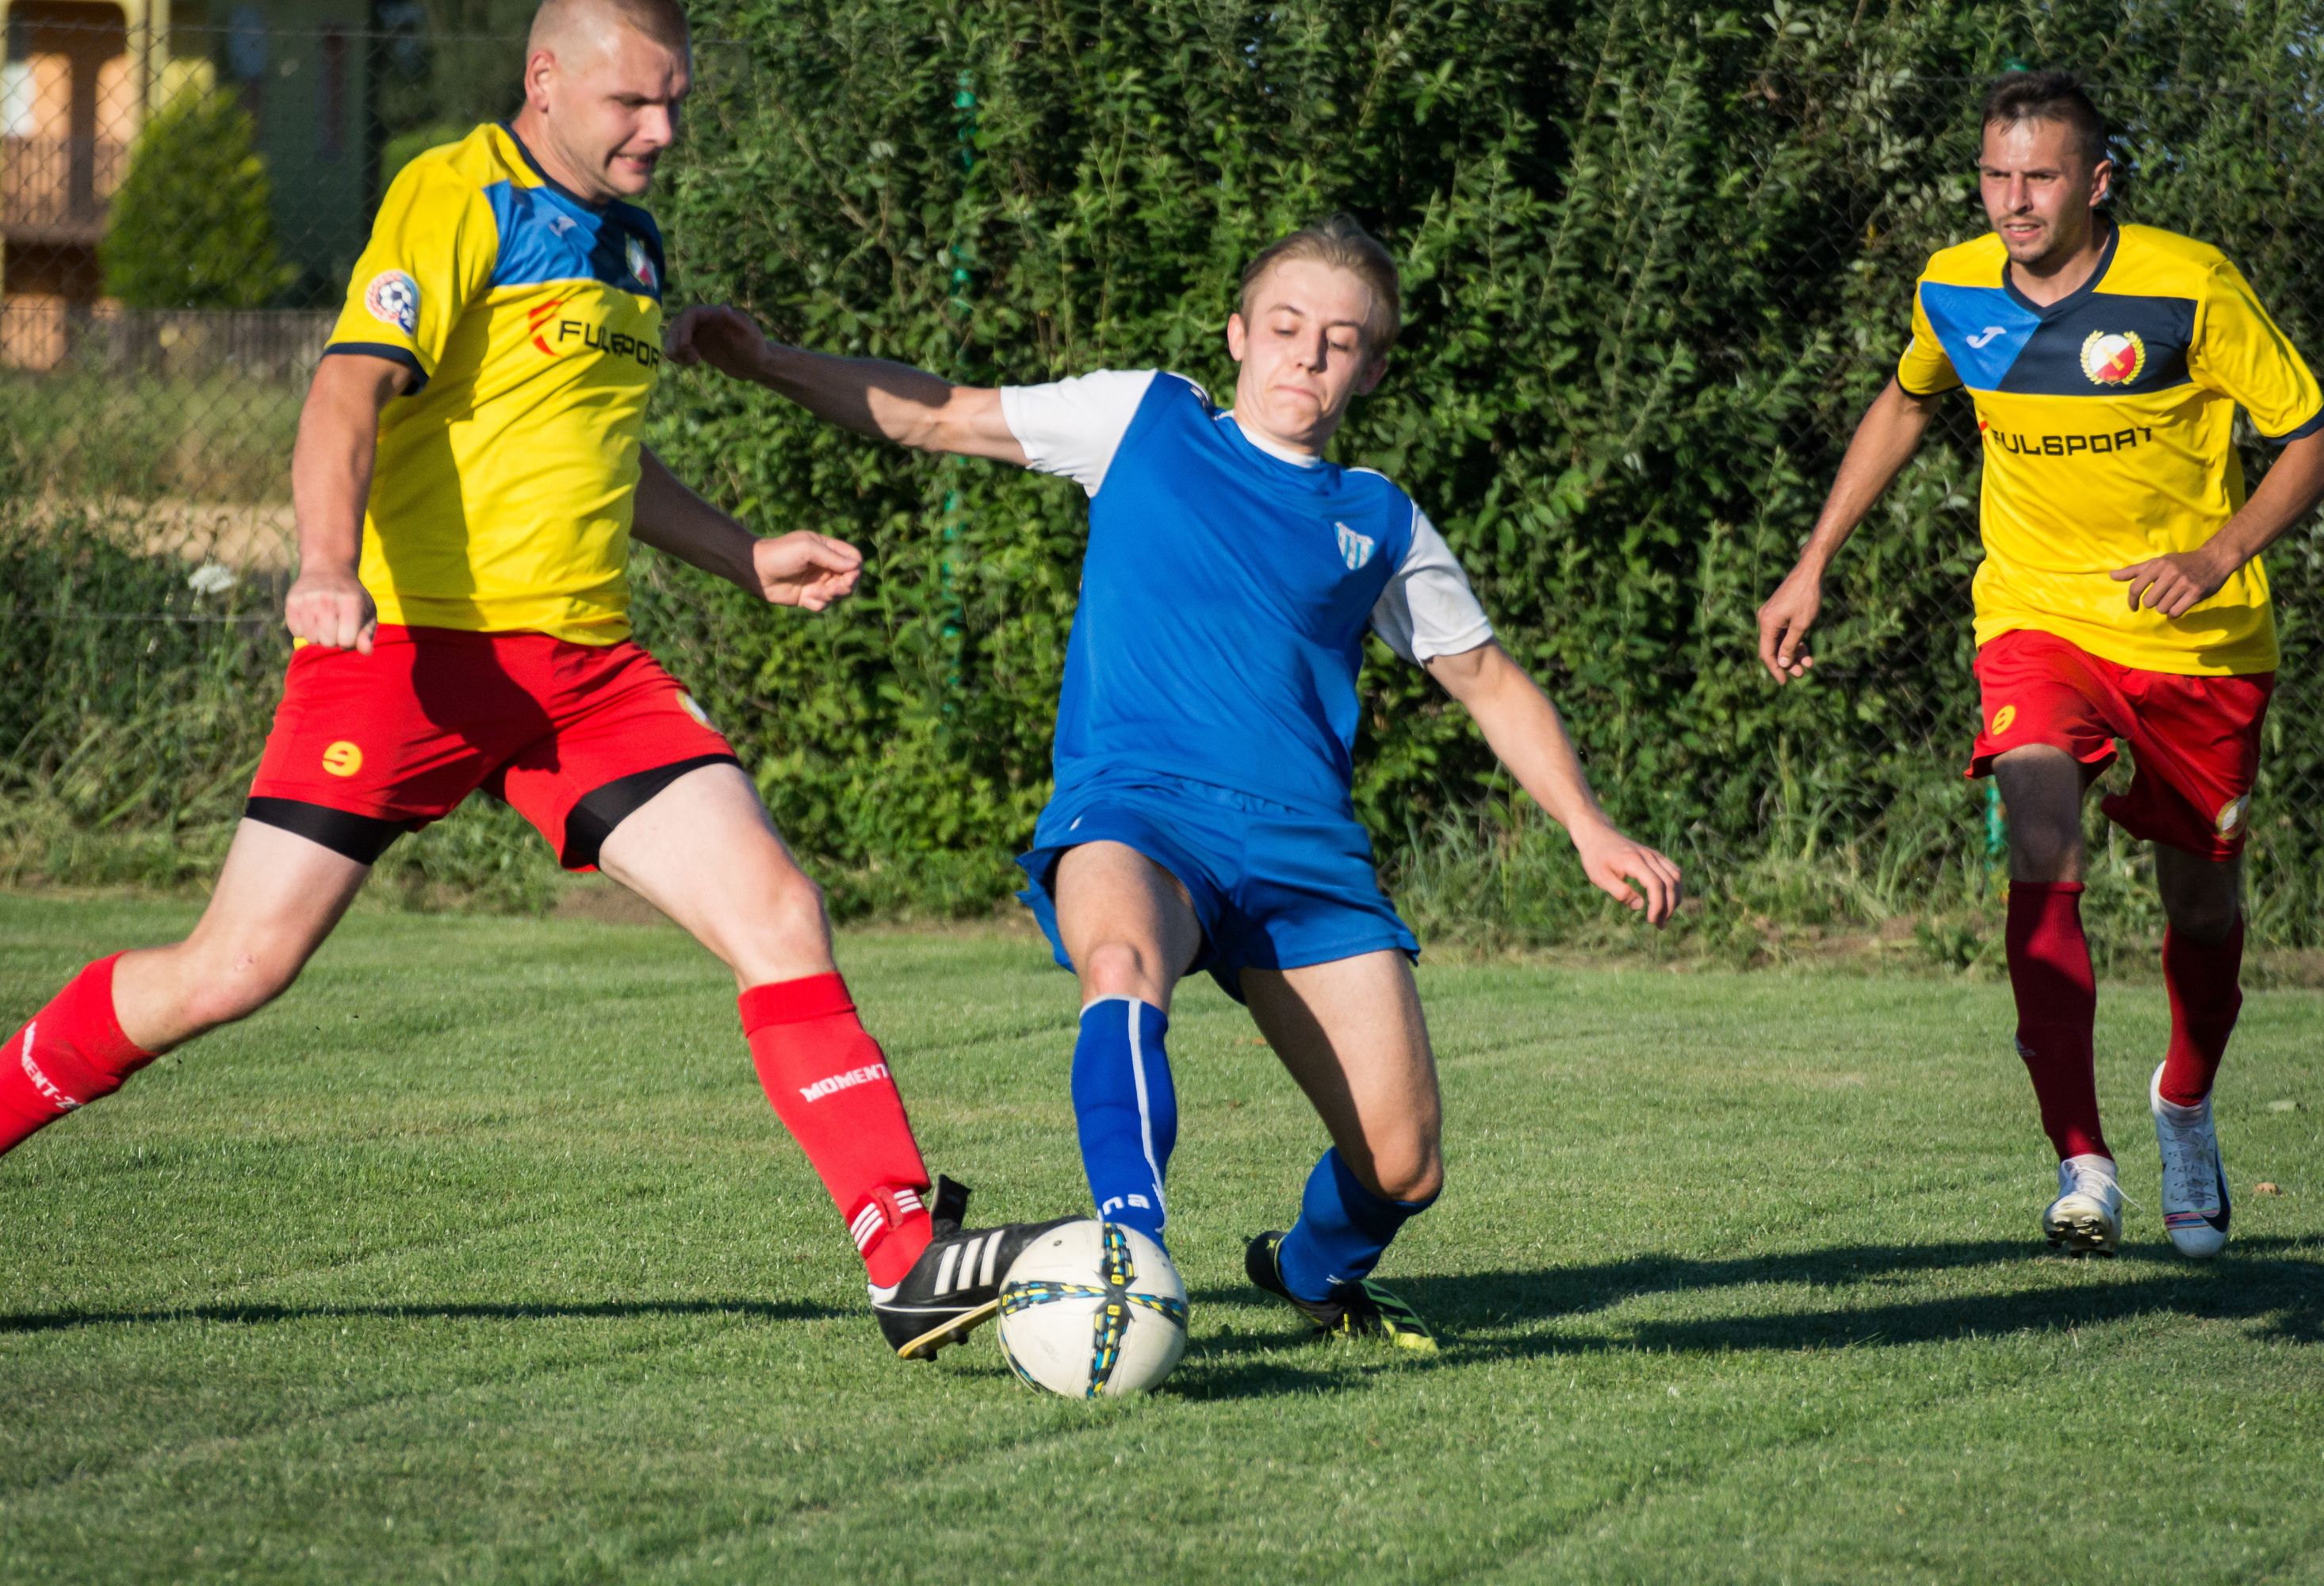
2121 597
468 475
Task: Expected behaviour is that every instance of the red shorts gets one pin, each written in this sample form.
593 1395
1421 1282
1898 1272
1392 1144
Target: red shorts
2193 741
576 736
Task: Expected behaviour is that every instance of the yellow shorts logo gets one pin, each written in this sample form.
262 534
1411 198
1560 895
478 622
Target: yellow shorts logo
2004 719
2231 813
343 759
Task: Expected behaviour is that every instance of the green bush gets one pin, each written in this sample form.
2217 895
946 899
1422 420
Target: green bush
193 223
1658 257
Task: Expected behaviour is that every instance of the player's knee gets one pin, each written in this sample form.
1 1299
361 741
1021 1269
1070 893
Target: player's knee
797 902
219 987
1117 968
2207 920
1407 1170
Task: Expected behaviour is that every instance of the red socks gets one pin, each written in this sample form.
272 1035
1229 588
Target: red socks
68 1055
2206 994
829 1083
2057 1011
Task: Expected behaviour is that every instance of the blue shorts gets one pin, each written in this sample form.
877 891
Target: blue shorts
1273 887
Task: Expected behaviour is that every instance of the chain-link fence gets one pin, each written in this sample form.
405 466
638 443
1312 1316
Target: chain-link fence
181 208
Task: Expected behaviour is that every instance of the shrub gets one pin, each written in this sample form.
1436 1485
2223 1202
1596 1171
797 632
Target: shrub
193 223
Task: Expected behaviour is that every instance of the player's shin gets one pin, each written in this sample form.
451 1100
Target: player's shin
829 1083
1344 1229
2057 1011
1127 1110
67 1055
2204 979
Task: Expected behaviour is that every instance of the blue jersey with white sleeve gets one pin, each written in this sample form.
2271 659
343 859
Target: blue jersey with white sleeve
1226 591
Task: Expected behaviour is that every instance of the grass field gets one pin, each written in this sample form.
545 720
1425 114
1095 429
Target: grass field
482 1258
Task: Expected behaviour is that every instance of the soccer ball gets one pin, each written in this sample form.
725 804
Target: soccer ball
1093 1310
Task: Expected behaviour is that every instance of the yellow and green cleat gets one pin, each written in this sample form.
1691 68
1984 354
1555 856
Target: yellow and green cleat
1363 1309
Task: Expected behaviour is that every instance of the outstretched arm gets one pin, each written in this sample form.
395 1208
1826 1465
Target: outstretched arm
802 569
1885 439
1524 730
871 396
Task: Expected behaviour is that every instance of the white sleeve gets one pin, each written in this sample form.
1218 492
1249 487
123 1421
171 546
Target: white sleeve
1073 426
1428 609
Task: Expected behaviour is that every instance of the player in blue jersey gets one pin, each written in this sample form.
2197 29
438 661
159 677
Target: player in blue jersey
1201 818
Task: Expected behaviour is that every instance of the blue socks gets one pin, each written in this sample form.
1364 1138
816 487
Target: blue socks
1341 1232
1127 1110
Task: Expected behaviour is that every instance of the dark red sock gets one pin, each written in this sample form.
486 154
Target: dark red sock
830 1085
67 1055
2057 1011
2205 982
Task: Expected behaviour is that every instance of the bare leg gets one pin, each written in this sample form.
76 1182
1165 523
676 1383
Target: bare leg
2201 898
278 897
1352 1035
1127 923
2042 787
704 852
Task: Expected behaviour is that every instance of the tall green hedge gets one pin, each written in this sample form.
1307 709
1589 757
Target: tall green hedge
1657 258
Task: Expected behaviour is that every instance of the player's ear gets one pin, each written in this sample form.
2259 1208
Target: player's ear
1375 371
2102 182
538 68
1238 336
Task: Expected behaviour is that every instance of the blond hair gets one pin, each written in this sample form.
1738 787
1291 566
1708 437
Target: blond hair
1342 242
661 21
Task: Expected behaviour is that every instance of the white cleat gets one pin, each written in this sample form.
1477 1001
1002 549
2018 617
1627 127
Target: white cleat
2195 1209
2087 1216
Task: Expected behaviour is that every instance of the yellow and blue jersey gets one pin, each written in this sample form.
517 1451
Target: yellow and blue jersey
503 493
2107 420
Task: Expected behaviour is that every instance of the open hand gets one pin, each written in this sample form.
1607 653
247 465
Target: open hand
1784 624
331 607
2173 585
1641 878
806 570
727 340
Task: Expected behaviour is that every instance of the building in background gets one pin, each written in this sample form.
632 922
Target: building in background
80 78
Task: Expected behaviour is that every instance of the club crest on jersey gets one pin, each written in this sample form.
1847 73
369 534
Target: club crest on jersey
1355 549
2114 357
393 298
642 264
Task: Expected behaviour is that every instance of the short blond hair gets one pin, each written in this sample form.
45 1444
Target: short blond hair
1342 242
661 21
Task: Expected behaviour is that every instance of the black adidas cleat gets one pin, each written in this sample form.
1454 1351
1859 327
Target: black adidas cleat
954 1287
1363 1309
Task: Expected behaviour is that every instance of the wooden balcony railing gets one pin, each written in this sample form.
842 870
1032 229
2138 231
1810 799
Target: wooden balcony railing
58 189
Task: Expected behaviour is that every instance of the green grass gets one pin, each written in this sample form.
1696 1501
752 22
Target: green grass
482 1258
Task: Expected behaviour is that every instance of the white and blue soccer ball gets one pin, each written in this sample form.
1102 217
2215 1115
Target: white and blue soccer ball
1093 1310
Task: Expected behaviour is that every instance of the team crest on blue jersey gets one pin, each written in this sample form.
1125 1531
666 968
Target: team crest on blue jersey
1355 549
642 264
393 298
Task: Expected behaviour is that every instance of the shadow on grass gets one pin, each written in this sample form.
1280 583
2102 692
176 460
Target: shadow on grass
2279 1282
259 1315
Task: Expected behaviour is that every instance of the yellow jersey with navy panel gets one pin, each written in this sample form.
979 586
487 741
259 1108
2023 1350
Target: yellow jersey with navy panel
2107 421
502 493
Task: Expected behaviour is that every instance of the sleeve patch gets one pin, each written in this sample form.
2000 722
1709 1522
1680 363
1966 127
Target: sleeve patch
392 299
